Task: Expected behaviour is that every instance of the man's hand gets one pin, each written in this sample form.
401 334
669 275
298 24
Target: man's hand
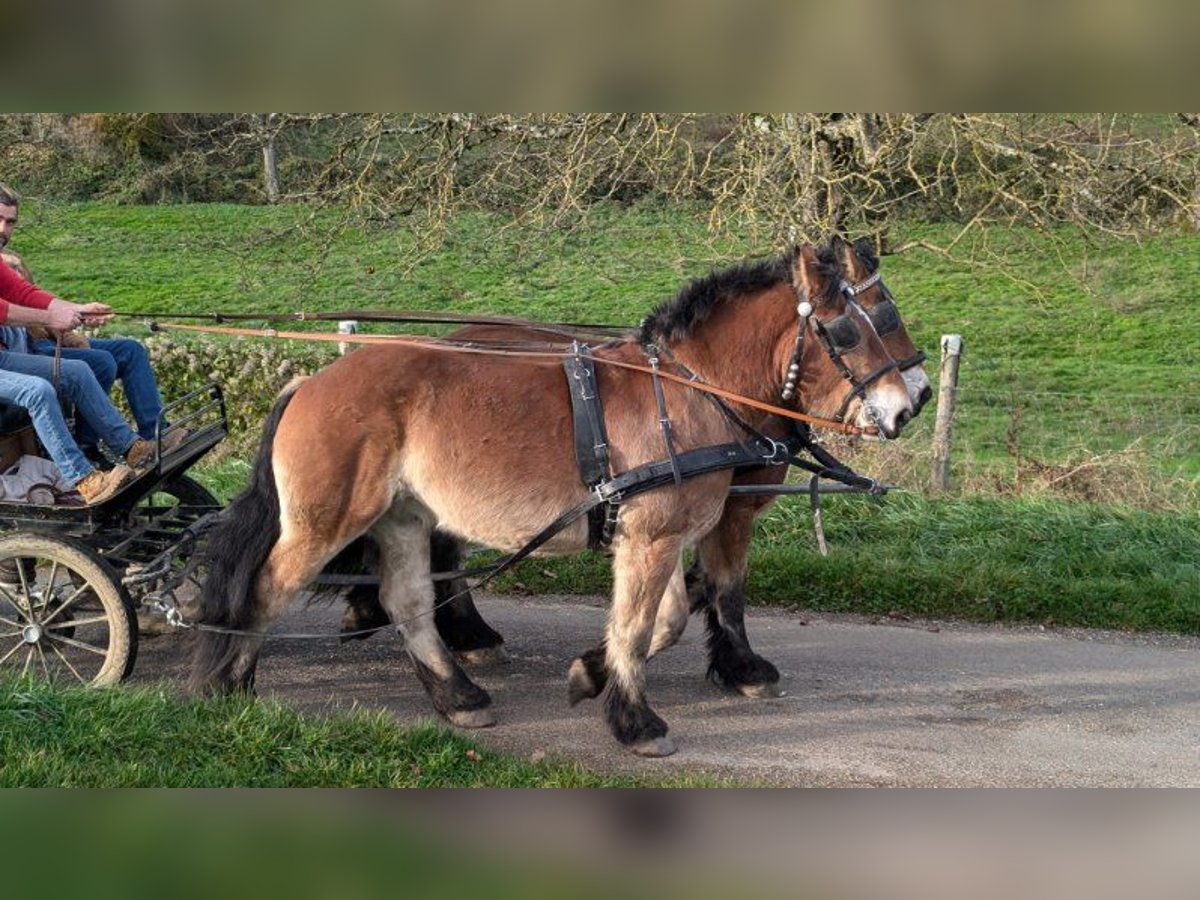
94 313
62 316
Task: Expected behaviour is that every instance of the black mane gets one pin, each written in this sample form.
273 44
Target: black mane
676 318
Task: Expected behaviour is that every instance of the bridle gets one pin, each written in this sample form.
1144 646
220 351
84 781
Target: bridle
839 336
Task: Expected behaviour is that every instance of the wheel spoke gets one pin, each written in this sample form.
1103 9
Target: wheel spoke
21 575
75 596
67 663
16 647
10 623
16 600
28 660
79 644
9 634
42 656
65 623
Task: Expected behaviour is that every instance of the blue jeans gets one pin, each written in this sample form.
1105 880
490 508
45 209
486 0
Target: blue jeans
25 381
110 359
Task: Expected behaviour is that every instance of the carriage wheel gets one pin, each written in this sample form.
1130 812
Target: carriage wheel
67 619
182 490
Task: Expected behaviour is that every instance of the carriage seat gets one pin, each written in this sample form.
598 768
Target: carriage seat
17 437
13 418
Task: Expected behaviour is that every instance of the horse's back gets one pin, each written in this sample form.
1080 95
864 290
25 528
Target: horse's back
484 442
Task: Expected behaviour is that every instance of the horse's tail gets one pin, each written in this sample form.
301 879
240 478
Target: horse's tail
236 548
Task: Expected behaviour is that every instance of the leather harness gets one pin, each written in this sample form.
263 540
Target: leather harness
607 492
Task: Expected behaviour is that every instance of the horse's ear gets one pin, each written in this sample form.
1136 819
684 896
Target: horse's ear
807 275
843 253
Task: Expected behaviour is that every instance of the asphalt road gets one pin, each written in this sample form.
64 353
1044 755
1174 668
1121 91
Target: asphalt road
887 703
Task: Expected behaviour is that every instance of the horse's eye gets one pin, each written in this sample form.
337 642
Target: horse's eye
842 333
885 317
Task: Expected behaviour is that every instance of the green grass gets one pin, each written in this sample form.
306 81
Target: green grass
81 737
988 559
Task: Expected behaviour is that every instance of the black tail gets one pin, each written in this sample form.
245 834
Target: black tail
235 551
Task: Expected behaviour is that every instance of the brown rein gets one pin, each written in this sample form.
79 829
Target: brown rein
437 344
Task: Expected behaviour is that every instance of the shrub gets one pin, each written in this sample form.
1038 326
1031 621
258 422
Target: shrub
250 371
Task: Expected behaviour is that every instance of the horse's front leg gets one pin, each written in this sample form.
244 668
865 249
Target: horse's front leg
716 584
588 675
458 621
642 569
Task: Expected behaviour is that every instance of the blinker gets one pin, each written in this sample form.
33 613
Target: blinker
885 317
842 333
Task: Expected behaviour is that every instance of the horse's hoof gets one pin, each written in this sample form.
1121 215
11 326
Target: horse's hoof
473 718
766 691
654 747
580 685
484 656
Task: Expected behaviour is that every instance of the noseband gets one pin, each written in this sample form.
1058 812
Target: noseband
838 336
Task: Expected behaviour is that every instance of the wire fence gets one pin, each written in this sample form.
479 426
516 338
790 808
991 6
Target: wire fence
1141 449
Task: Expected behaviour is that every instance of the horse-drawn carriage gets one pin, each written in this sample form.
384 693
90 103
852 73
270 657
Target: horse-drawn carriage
76 578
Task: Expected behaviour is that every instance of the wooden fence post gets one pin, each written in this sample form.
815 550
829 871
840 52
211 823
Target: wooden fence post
346 326
952 345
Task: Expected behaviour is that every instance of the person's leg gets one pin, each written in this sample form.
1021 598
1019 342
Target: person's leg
103 365
137 378
37 395
79 384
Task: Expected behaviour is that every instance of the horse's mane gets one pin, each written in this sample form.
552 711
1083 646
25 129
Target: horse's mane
675 319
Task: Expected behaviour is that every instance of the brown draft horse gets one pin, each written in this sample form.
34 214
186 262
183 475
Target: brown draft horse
377 443
717 578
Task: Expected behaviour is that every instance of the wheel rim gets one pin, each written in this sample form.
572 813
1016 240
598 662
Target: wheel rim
55 626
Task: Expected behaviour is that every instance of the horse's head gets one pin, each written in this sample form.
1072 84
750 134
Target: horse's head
860 267
839 367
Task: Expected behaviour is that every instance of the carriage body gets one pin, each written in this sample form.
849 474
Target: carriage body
79 577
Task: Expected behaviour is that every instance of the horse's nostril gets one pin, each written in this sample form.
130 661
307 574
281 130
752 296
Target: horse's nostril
903 419
926 396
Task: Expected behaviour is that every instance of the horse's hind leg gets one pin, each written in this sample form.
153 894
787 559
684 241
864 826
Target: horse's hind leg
716 584
588 674
291 565
406 592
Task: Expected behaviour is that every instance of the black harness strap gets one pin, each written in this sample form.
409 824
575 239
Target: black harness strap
591 440
587 411
688 464
663 421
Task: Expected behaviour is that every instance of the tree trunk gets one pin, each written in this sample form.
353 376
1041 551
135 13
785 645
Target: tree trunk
270 166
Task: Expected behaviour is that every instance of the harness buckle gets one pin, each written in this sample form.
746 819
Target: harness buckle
779 455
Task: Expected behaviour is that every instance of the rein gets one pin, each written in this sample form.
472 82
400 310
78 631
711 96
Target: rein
441 344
